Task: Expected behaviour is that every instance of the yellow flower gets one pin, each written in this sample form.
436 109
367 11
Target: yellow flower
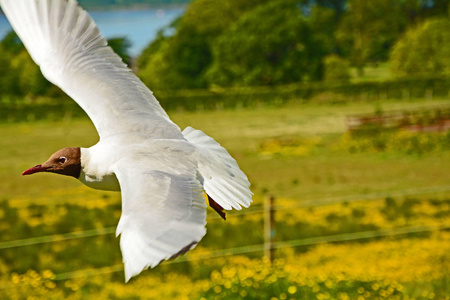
292 289
48 274
15 278
50 285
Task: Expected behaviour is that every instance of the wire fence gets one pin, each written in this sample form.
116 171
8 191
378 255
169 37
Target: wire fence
57 238
254 248
260 247
253 210
192 256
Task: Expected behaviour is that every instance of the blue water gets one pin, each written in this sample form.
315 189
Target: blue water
139 26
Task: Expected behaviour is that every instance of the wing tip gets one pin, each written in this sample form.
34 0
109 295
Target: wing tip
132 269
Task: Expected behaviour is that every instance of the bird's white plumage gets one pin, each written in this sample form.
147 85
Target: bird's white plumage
161 171
163 209
222 178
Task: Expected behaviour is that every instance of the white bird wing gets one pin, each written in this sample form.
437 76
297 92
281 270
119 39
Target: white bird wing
163 209
223 180
65 42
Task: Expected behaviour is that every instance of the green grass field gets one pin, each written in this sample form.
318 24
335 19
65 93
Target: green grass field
302 155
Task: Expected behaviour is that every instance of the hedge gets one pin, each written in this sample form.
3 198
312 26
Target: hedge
18 110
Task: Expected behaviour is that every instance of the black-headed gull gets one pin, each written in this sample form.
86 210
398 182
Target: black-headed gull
161 171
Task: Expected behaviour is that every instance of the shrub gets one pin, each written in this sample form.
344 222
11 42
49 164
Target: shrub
336 68
424 49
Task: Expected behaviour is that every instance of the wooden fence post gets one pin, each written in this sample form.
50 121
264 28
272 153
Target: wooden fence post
269 230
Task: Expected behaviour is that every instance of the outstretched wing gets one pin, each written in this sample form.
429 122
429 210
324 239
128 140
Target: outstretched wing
66 43
163 209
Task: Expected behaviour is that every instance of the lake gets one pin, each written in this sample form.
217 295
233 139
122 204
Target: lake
139 26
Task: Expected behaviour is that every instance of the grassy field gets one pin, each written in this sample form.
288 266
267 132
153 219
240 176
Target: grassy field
303 156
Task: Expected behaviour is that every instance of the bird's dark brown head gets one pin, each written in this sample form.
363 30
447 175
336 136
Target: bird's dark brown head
66 161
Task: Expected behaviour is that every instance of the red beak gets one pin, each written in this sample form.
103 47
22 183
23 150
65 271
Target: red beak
36 169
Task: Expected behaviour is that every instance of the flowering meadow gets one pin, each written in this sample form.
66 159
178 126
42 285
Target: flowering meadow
356 217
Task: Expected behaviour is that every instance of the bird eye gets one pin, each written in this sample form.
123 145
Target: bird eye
62 159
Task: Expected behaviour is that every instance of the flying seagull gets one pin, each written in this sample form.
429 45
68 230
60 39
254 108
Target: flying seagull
160 170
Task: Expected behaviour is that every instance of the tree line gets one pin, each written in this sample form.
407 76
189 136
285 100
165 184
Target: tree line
263 42
225 43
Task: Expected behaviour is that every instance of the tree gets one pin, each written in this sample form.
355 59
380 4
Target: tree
121 45
432 8
11 43
8 77
338 6
20 75
181 60
30 80
323 22
105 4
10 46
272 44
423 50
369 28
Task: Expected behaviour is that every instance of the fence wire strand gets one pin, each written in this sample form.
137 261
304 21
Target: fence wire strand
253 210
260 247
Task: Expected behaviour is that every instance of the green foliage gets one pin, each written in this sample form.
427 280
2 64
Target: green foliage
30 79
9 47
12 43
240 43
336 68
210 18
21 76
270 45
8 81
121 45
263 42
423 50
430 8
260 42
323 22
369 28
105 4
180 61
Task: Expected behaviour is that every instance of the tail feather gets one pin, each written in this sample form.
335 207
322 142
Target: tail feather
223 180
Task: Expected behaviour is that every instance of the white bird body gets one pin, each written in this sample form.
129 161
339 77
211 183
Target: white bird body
160 171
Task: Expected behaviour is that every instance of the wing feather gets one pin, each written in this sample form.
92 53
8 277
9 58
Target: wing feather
223 180
68 46
163 209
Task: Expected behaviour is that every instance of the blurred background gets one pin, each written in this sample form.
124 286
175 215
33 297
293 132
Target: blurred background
337 110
